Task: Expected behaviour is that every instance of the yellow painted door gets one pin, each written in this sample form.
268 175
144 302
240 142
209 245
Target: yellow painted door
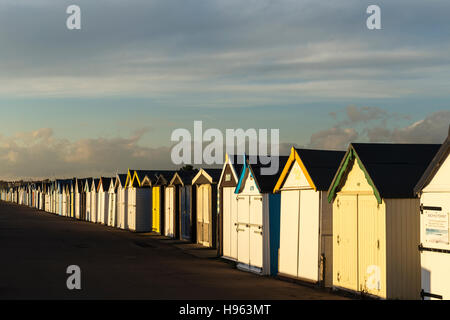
156 209
369 246
345 237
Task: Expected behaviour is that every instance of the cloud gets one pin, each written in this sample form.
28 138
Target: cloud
432 129
39 154
186 55
372 124
333 139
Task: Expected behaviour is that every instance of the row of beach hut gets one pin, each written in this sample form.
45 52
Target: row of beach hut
373 220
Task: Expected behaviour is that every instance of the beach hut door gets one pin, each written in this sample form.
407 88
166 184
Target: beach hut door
243 226
204 218
345 242
169 212
230 227
185 213
156 209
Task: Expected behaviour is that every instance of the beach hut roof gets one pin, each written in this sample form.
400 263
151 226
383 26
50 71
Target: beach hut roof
183 177
163 178
150 177
96 183
211 175
121 179
265 183
104 184
434 166
236 163
318 166
392 170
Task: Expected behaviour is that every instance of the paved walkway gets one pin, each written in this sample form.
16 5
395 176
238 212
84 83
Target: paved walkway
37 247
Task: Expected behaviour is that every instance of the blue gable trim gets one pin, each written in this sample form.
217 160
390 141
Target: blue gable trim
241 179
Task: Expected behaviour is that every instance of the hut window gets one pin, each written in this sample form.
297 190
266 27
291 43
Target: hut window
228 177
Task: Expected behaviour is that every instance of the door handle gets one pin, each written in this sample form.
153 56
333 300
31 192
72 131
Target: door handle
338 239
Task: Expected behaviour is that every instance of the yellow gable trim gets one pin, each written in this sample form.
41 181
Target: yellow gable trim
130 179
136 177
287 168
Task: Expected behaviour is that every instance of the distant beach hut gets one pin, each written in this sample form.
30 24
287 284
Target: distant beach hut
112 203
205 183
184 210
139 204
228 234
103 200
122 201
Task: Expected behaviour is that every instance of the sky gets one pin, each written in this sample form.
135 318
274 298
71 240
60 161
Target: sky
105 98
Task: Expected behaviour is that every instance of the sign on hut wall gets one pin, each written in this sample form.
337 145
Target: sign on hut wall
436 226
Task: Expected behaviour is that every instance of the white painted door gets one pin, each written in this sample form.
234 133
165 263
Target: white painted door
169 228
226 216
308 232
120 209
289 220
112 210
132 209
94 207
230 233
244 230
123 208
256 232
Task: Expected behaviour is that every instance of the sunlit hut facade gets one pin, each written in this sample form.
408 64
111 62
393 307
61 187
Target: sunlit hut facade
94 200
72 197
306 228
434 192
122 201
205 183
61 184
151 179
103 200
376 219
80 199
47 196
228 230
185 203
258 216
87 191
65 198
112 203
139 203
160 202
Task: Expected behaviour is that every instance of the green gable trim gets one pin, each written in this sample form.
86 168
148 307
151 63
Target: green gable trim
351 156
